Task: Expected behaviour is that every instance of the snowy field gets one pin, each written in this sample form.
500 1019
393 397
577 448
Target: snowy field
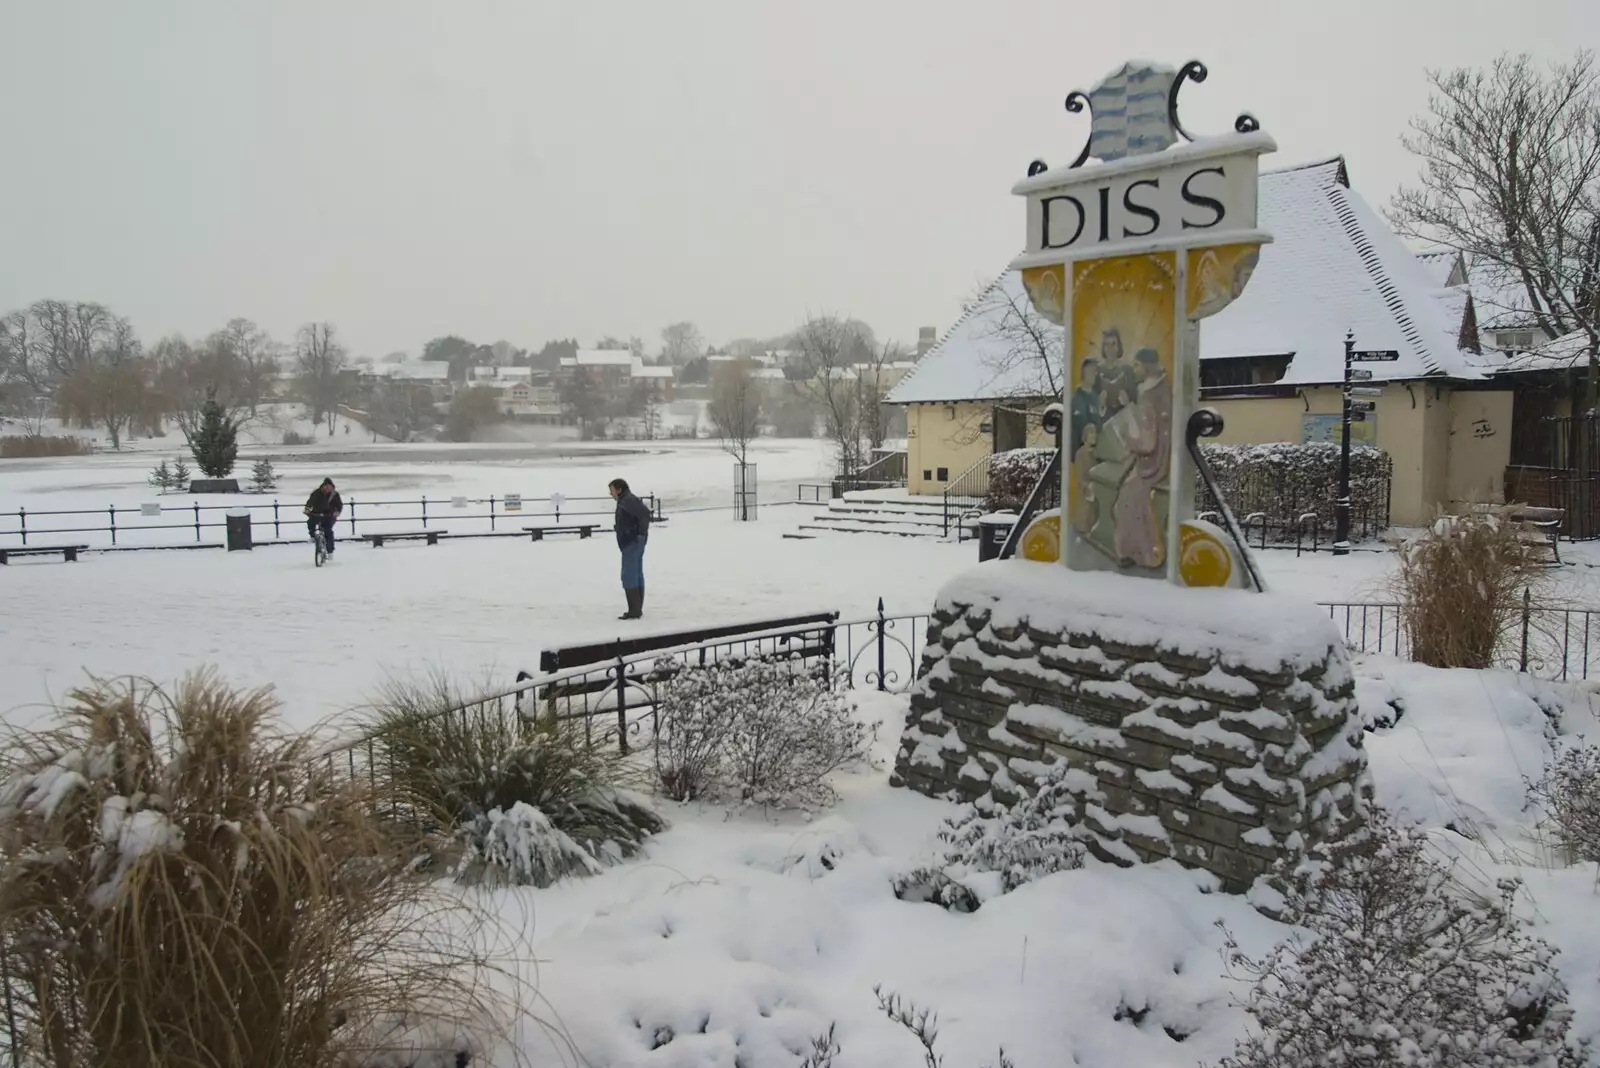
731 942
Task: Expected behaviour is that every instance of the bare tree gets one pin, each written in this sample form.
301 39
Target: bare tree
1511 177
682 342
320 361
105 394
828 378
398 410
735 409
256 356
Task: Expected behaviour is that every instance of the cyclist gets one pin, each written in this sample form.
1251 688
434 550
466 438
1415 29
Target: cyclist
322 510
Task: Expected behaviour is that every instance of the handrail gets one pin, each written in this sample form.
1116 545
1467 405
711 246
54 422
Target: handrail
951 490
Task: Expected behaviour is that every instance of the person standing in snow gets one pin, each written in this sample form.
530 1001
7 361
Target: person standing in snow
322 509
633 529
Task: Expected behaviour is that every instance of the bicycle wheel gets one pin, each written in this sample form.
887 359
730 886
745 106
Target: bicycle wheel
321 548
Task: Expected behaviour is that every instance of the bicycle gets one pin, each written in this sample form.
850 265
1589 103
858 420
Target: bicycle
320 544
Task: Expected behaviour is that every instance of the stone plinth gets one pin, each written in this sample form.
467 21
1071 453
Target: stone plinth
1214 727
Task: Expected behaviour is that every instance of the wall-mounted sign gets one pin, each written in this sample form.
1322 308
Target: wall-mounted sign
1363 431
513 502
150 510
458 502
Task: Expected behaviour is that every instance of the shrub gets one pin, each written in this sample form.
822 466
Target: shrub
1012 476
182 884
1018 843
181 474
292 437
764 731
1570 795
33 446
1460 588
161 476
1394 964
463 774
263 478
1283 482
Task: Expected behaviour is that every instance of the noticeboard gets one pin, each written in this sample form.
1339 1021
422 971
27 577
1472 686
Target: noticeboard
1326 428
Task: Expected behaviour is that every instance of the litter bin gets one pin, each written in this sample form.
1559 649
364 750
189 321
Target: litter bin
993 530
239 531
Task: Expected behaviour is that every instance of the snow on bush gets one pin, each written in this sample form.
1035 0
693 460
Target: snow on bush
765 731
1569 792
1394 964
1012 476
520 848
1013 845
1284 481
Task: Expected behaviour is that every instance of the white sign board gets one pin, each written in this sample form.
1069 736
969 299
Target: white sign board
513 502
150 510
1197 194
458 502
557 500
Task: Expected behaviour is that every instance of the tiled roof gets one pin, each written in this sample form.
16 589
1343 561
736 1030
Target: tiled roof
1333 266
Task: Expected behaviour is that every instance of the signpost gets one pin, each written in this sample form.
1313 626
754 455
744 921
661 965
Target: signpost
1355 411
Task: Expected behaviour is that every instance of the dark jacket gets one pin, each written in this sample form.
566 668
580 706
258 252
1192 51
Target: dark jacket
633 520
324 503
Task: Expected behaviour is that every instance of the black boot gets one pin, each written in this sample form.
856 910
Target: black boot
638 602
633 605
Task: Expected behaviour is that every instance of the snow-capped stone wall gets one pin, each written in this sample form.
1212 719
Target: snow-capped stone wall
1215 727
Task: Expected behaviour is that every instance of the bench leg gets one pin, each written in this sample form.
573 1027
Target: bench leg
538 535
377 543
433 539
4 558
71 554
584 533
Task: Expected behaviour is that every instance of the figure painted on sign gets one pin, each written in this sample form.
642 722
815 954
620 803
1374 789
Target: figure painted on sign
1085 402
1082 463
1140 541
1117 379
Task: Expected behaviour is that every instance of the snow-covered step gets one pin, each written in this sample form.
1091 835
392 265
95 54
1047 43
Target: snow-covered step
851 526
915 519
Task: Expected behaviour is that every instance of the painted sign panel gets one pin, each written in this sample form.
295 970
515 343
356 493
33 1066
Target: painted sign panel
1326 428
1121 413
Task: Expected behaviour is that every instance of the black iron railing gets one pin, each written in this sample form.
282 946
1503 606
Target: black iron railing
968 492
127 527
1553 643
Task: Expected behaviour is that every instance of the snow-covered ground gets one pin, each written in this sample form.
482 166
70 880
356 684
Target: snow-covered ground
730 942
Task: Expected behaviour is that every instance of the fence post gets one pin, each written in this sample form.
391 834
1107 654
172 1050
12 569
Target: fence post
352 517
1527 611
424 511
622 705
881 686
113 511
275 531
196 521
491 513
22 518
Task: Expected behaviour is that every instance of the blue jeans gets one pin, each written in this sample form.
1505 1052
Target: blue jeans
326 523
633 565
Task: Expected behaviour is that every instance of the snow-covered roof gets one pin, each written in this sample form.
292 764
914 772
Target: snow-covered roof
415 371
639 369
1560 354
1441 264
1333 266
602 358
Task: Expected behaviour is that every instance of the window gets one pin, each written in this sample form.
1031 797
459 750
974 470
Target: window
1515 340
944 474
927 475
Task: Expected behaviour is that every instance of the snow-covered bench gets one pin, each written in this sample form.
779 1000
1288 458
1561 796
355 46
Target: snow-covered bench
69 553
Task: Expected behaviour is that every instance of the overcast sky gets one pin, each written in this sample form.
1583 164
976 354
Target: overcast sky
532 169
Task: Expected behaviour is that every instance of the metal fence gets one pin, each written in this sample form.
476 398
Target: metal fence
132 528
618 701
1555 643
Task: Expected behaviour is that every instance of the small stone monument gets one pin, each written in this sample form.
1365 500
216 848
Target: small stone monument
1203 718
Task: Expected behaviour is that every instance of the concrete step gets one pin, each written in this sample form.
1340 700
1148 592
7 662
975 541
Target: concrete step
869 515
846 526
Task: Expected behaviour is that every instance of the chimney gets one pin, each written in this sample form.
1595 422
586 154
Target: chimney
927 338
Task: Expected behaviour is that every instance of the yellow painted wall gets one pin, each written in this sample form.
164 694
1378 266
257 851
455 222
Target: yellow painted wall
934 439
1434 435
1480 446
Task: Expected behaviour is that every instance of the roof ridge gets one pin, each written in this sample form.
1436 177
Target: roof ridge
1373 263
1308 165
971 310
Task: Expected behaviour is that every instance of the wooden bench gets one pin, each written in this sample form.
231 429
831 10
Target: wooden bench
69 553
809 638
582 530
430 536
